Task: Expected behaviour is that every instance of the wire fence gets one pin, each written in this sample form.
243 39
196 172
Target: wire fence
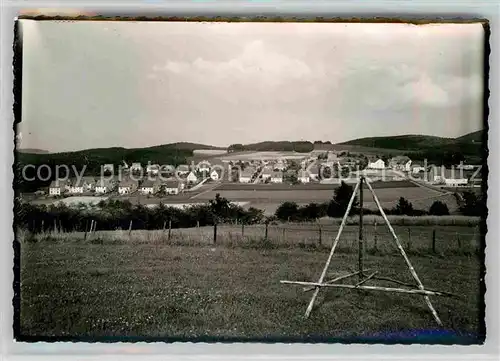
376 237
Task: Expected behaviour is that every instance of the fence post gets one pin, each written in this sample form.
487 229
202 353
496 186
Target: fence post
215 232
130 228
265 237
409 239
434 240
86 227
375 234
169 228
459 242
242 229
60 227
43 226
319 235
55 225
197 224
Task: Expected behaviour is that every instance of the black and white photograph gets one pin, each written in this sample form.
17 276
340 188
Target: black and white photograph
250 181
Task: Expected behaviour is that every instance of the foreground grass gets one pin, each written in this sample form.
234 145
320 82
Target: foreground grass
86 290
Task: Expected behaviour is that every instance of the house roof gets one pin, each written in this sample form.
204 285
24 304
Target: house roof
400 159
148 183
191 174
172 184
56 183
314 169
127 182
183 168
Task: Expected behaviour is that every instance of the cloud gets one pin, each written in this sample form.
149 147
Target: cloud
255 61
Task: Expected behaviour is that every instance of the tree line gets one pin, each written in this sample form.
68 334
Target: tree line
119 214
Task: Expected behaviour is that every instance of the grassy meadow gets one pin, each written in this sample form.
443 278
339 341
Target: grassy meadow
116 284
82 290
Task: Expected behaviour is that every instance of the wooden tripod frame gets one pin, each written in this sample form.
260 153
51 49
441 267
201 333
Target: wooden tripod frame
414 289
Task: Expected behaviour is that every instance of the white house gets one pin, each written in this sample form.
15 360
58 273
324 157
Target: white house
172 187
183 169
103 186
192 178
246 176
215 174
378 164
56 188
279 165
127 186
136 167
153 169
313 172
203 167
304 176
266 173
149 187
277 177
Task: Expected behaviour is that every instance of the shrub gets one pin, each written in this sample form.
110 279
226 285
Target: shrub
439 208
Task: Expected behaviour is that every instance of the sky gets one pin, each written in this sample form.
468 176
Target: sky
138 84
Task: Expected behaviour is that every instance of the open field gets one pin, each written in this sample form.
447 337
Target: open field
79 289
230 186
268 155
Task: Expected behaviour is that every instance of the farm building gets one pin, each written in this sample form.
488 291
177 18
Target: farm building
378 164
127 186
216 174
277 177
402 163
449 177
304 176
192 178
172 186
331 157
104 186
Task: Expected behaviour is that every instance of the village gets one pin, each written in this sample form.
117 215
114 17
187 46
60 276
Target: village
255 168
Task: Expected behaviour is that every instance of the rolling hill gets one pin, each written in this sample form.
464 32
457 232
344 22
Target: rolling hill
33 151
468 143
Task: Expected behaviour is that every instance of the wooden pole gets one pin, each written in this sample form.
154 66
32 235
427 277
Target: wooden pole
375 235
86 227
319 235
265 236
409 239
403 253
334 245
55 225
307 289
242 229
215 232
434 241
61 230
360 239
169 229
130 228
424 292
